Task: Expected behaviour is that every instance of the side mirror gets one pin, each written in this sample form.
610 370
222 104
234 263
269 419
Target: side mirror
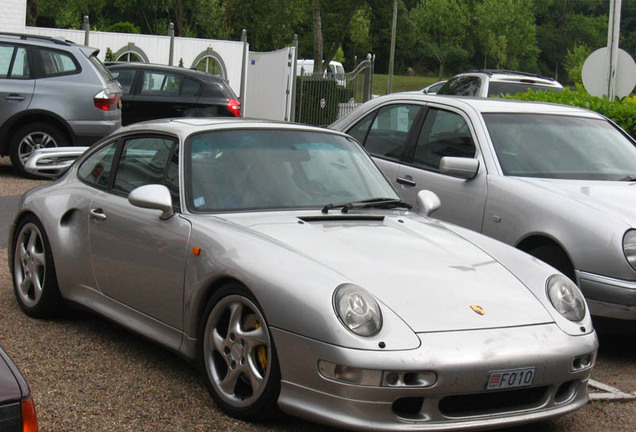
428 202
153 196
461 167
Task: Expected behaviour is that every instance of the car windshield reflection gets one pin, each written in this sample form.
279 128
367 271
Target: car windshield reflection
561 147
267 169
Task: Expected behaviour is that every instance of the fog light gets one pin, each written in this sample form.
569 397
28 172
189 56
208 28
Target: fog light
350 375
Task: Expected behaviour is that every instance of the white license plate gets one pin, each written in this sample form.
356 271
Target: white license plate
513 378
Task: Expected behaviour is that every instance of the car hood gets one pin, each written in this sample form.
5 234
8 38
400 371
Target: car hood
419 268
613 198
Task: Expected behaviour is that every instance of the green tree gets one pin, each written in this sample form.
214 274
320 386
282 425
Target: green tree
574 60
441 26
507 33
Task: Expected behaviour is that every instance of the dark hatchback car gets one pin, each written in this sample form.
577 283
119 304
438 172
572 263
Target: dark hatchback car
17 410
154 91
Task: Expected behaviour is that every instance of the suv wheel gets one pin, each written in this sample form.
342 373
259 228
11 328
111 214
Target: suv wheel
31 137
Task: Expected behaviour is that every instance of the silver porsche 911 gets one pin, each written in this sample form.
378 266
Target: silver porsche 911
279 258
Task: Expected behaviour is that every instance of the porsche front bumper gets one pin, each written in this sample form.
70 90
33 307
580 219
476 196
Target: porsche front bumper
462 362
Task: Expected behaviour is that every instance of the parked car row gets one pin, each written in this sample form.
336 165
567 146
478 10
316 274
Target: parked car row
305 278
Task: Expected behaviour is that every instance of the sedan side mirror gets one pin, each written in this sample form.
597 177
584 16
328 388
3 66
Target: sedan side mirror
428 202
153 196
462 167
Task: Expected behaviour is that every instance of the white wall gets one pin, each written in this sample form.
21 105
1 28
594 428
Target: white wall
13 15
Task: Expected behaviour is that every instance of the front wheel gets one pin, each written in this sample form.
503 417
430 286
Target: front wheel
34 279
239 357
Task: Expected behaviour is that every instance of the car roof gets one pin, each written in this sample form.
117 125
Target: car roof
193 73
492 105
184 126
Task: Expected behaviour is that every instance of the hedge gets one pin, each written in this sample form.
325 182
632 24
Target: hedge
622 112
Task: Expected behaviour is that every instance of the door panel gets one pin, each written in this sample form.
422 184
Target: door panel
16 86
139 259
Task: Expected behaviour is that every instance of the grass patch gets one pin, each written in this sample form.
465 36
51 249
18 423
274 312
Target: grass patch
401 83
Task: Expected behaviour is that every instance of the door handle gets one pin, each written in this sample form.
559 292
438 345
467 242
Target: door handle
97 214
15 98
406 181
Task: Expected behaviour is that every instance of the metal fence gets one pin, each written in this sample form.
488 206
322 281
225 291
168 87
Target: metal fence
322 99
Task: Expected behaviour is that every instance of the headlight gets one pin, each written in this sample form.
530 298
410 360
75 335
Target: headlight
629 247
566 298
357 310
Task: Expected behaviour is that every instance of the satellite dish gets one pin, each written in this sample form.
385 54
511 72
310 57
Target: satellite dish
595 73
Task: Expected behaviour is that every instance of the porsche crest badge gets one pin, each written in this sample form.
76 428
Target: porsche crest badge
478 309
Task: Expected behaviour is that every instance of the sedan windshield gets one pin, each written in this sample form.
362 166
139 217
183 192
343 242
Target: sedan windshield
261 169
561 147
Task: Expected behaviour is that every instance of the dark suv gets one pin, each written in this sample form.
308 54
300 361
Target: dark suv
493 82
154 91
53 93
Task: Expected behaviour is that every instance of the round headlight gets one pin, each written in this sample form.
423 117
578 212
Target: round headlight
357 310
566 298
629 247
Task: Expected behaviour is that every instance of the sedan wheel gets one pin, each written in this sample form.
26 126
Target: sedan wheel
34 278
239 357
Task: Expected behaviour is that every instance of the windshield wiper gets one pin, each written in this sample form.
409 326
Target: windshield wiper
382 203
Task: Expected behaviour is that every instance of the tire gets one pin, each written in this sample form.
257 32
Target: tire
34 279
31 137
238 356
556 257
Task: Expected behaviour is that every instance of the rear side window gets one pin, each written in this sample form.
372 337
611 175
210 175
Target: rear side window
462 86
14 62
96 169
389 131
58 62
165 84
501 88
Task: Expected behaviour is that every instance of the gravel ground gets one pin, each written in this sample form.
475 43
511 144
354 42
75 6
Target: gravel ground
88 374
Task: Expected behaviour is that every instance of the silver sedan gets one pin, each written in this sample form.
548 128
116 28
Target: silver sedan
280 259
555 181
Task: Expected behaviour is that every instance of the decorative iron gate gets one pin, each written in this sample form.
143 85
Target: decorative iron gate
322 99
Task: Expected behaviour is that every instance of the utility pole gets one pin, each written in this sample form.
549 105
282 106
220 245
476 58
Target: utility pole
613 33
389 85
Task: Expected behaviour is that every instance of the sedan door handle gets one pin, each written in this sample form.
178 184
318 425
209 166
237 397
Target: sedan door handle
407 181
15 98
97 214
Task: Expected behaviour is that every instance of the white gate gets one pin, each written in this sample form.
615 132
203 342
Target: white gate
268 92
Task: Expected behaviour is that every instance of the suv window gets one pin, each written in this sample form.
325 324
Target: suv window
461 86
389 131
57 62
444 133
14 62
499 88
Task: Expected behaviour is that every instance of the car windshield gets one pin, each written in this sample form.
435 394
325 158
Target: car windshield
561 147
265 169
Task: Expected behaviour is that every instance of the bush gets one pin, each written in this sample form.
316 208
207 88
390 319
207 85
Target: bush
622 112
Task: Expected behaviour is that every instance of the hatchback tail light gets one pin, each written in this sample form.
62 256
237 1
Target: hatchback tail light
105 100
234 106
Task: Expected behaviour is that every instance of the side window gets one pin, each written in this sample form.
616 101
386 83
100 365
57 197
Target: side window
444 133
143 161
359 131
57 62
14 62
96 169
125 78
157 83
462 86
190 87
389 132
